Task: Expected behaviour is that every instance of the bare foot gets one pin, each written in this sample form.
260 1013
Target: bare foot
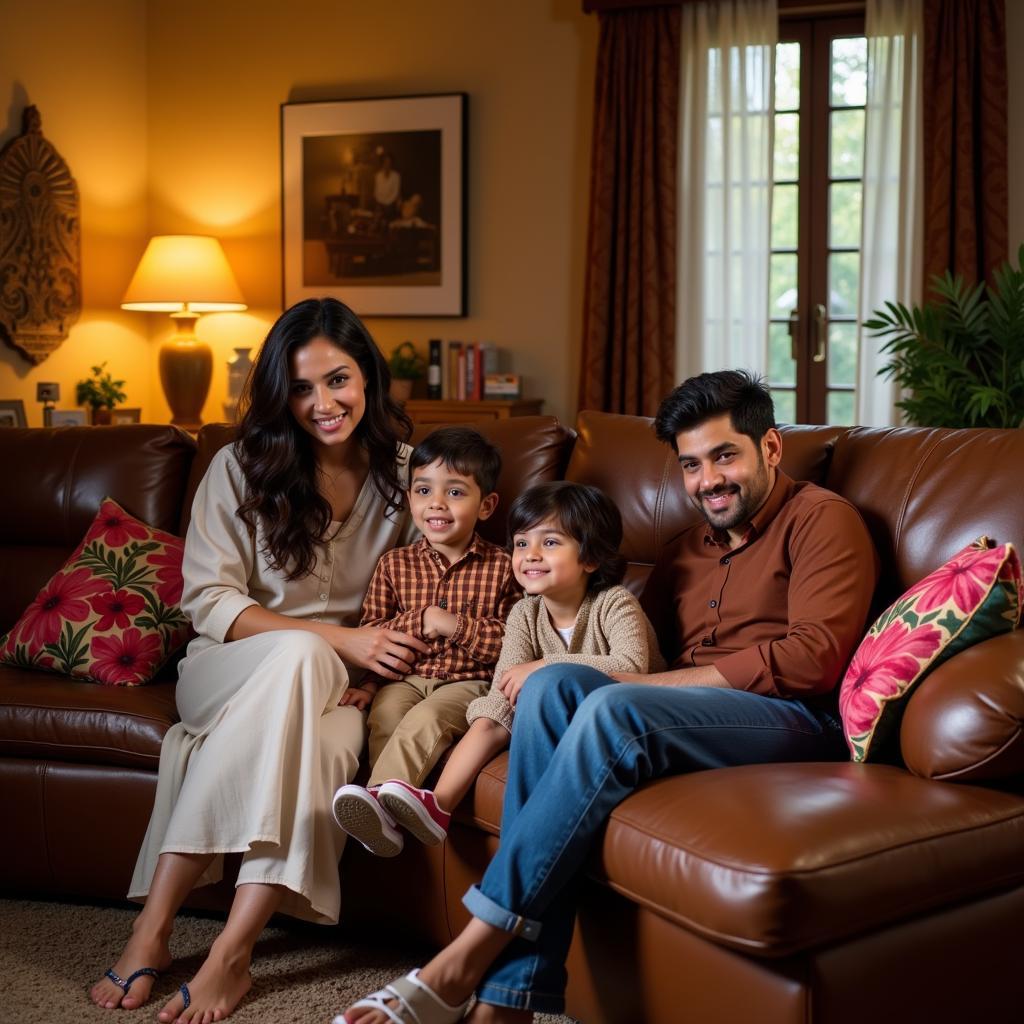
215 991
141 951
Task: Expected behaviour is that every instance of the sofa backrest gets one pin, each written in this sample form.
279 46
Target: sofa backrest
54 481
534 449
926 493
621 455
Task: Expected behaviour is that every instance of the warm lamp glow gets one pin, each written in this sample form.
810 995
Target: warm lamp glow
184 275
183 272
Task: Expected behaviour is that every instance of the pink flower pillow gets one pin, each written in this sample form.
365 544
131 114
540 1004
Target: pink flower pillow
977 594
112 613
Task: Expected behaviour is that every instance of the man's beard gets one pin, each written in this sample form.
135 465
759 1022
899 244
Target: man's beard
749 500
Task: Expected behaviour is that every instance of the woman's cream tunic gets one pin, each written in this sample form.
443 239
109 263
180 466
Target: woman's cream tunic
262 744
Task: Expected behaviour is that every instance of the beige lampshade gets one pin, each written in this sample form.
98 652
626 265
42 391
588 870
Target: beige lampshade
183 272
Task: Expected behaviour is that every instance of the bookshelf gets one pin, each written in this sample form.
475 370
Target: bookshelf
440 411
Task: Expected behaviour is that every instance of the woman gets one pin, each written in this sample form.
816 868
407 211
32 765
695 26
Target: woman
287 526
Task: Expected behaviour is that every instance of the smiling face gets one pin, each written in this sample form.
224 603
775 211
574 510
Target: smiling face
446 506
727 476
546 562
327 393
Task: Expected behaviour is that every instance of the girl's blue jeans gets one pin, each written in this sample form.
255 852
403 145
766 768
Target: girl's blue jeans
581 744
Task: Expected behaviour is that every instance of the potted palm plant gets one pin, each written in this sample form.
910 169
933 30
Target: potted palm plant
960 357
407 366
100 392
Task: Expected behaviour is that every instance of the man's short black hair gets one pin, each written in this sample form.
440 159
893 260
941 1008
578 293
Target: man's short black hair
744 396
463 450
582 512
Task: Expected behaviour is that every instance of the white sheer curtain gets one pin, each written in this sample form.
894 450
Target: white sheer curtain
893 226
727 61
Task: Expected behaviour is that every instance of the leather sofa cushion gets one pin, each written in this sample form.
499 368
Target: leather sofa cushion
621 455
48 717
925 494
60 476
772 859
965 723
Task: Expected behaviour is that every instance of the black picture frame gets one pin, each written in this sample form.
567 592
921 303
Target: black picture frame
373 204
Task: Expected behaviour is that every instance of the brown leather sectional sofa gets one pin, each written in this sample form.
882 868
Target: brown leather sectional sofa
784 893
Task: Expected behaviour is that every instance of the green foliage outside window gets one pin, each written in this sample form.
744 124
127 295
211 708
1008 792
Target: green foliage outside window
961 356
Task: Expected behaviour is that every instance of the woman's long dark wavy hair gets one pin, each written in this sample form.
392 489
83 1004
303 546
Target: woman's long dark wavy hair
277 456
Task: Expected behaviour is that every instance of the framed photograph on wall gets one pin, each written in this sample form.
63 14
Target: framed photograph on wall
12 413
373 204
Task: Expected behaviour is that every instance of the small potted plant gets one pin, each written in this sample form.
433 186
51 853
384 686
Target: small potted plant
100 392
406 365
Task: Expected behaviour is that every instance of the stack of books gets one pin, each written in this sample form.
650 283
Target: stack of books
468 372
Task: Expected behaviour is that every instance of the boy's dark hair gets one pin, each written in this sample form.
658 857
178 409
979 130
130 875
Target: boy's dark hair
744 396
583 512
463 450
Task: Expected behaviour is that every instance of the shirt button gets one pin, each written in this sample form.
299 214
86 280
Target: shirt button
713 604
726 561
705 641
323 597
443 603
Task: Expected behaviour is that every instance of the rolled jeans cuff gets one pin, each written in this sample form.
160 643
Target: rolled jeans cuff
492 913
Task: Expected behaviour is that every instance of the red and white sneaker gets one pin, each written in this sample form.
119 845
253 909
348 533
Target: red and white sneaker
357 812
414 809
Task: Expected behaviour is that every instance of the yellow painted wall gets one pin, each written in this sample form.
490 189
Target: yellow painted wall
84 67
218 72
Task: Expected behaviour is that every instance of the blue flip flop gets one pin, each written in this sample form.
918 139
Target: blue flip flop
186 996
126 983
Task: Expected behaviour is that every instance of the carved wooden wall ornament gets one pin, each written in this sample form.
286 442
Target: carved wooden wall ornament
40 244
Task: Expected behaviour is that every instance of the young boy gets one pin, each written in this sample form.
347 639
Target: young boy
452 589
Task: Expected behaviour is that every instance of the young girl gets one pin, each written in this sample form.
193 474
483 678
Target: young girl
565 544
287 526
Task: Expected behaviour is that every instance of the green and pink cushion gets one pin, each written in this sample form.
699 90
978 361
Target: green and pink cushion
112 613
977 594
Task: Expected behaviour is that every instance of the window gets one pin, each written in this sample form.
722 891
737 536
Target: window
814 279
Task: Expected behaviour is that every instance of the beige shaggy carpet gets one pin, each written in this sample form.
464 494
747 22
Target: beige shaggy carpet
52 953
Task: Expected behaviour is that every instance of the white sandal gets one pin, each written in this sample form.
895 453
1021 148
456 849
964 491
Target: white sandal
417 1003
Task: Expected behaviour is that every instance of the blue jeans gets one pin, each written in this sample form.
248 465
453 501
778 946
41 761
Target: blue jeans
582 743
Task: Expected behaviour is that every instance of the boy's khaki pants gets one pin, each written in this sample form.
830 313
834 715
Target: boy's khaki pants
413 721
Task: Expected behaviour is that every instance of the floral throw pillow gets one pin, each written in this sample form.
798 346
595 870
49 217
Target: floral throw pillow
977 594
112 613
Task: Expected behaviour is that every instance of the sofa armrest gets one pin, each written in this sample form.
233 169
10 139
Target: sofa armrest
964 722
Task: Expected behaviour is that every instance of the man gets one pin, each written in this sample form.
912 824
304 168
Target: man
762 605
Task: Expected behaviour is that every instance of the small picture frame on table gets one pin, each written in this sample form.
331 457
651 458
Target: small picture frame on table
12 413
66 418
125 416
373 201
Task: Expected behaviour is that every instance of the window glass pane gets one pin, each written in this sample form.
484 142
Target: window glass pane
785 405
781 368
782 293
840 408
849 71
844 215
846 149
787 147
784 217
787 76
713 154
843 280
842 354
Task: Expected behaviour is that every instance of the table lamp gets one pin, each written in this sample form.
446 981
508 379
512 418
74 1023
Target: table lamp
184 275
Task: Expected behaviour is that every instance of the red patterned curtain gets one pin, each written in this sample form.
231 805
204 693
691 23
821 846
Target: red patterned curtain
629 314
965 137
